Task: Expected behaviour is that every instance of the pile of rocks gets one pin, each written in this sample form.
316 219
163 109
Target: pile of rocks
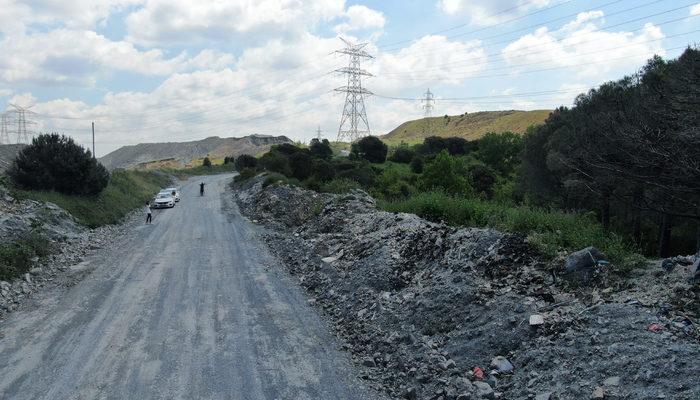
71 242
434 312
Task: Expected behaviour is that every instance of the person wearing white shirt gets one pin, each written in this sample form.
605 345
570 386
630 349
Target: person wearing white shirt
147 209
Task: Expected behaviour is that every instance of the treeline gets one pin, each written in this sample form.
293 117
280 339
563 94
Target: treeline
628 151
617 170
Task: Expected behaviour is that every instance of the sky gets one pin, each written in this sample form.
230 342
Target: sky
180 70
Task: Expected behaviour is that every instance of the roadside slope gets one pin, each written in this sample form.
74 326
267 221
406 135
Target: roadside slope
421 305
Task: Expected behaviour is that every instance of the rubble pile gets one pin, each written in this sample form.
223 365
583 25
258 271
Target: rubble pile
70 241
434 312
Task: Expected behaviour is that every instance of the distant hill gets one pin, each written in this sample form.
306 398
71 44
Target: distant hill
469 126
8 152
181 154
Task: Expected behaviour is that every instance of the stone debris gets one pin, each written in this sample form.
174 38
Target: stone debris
420 306
71 241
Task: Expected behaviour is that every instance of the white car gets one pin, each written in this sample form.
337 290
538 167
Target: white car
173 191
164 200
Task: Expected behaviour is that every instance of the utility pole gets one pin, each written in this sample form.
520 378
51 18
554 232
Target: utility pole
93 140
318 133
353 121
428 105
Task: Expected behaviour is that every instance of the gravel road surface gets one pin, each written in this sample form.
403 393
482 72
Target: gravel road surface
190 307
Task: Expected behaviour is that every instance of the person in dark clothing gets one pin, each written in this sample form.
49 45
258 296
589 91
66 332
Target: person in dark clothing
201 189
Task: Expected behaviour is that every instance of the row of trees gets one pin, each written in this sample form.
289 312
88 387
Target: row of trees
628 150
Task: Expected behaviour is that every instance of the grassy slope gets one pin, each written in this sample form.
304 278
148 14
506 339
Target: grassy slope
126 191
470 126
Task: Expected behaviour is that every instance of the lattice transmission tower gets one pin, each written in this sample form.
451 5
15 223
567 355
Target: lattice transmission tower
353 122
428 103
5 128
16 118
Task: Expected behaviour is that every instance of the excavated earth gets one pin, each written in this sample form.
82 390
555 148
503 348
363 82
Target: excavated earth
434 312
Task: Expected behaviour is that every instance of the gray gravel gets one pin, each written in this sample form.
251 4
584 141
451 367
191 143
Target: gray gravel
191 307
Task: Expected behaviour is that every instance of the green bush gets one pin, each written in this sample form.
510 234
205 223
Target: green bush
245 161
16 256
444 173
402 154
206 162
300 165
321 149
340 186
273 161
277 178
244 175
482 179
53 162
369 148
417 164
362 174
322 170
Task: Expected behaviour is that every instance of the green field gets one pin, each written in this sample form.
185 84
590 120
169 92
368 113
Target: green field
469 126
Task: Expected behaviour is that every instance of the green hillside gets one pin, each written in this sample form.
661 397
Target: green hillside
469 126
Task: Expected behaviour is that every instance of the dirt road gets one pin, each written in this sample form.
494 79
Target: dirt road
191 307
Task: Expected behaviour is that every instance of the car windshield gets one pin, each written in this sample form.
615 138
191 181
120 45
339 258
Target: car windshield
163 195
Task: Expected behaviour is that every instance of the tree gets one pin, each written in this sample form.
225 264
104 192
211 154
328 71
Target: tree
55 162
443 174
206 162
417 164
482 179
321 149
245 161
403 154
286 149
275 162
300 164
500 151
369 148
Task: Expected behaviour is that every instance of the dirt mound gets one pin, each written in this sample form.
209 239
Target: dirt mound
434 312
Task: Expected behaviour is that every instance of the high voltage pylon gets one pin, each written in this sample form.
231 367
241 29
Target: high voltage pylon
353 122
428 103
318 133
16 117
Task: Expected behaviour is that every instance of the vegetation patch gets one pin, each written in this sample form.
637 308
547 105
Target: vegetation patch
16 256
126 191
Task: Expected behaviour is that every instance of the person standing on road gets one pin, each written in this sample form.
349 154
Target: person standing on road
201 189
148 212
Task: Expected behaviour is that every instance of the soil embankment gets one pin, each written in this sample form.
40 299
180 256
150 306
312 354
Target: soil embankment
426 308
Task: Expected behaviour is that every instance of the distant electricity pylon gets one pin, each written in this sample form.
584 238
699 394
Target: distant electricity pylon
318 133
428 103
4 129
17 117
353 122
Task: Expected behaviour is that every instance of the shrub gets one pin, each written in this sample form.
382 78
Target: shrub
402 154
206 162
300 165
500 151
443 174
244 175
363 175
276 178
340 186
321 149
285 148
16 256
245 161
274 161
482 179
55 163
369 148
417 164
322 170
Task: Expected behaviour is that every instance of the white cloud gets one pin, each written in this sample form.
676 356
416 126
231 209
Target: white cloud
5 92
582 45
489 12
184 21
70 56
73 14
428 61
695 9
361 17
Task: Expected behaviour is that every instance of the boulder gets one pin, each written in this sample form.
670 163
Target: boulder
581 264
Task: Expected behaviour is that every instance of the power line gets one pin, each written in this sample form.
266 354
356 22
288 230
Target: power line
353 121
